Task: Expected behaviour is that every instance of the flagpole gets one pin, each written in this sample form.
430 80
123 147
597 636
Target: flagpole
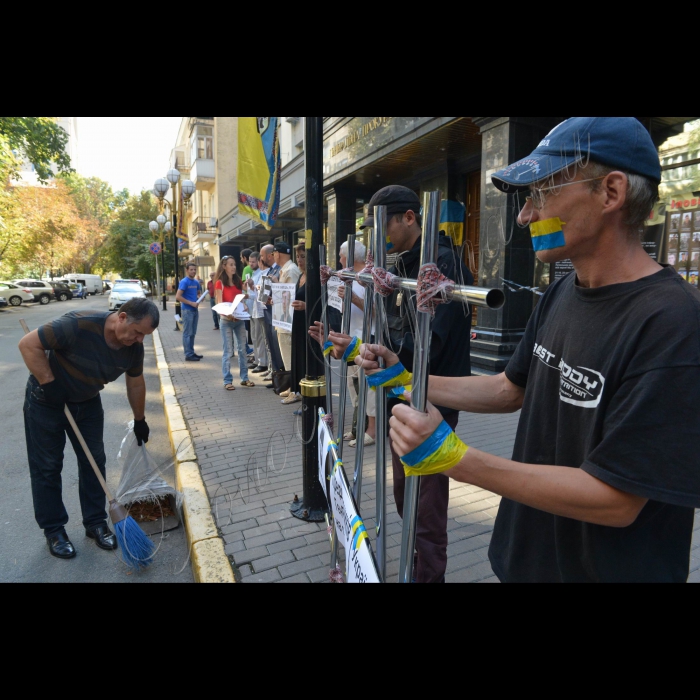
314 505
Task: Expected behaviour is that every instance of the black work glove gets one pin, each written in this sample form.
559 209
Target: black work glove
52 393
142 431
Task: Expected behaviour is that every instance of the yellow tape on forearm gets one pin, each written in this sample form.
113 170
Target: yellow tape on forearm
395 376
442 451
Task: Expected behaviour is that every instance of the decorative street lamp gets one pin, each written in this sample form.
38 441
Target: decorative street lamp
185 189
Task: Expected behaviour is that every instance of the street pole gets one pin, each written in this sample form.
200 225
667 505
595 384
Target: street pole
178 306
165 288
314 505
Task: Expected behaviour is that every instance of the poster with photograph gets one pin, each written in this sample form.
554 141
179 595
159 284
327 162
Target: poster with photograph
334 299
265 293
675 223
697 221
683 258
673 241
687 224
685 241
693 278
672 259
283 295
696 239
683 273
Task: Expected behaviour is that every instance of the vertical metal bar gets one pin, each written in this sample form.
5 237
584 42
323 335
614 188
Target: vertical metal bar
324 313
347 312
362 392
380 223
421 360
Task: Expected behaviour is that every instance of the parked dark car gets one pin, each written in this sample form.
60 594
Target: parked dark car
3 302
62 290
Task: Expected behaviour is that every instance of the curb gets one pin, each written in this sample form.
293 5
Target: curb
210 563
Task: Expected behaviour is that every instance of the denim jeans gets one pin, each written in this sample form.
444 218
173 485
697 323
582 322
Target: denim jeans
45 427
229 331
190 319
214 314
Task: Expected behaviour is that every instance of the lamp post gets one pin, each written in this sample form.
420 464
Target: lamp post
183 190
161 227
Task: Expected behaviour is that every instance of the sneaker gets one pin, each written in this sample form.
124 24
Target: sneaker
192 359
292 398
285 394
261 370
266 377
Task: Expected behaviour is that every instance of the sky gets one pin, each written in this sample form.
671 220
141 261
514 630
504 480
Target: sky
131 152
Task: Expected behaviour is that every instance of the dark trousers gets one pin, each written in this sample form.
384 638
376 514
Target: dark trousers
45 428
214 314
273 343
431 532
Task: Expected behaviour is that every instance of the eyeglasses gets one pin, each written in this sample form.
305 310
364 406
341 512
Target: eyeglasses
227 257
539 199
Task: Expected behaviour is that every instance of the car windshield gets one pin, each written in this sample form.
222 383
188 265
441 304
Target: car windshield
127 289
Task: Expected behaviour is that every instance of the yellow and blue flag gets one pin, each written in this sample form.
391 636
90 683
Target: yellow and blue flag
452 217
259 168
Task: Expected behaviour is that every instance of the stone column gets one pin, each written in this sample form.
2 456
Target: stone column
342 206
506 249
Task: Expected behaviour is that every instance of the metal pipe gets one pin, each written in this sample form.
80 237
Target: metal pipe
362 392
347 312
421 357
380 222
324 312
475 296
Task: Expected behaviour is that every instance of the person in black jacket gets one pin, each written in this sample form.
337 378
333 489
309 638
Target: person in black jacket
449 357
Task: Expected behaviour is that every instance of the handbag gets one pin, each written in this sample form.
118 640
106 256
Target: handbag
281 381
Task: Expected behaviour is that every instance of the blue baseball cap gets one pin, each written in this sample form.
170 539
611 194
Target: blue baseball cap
619 142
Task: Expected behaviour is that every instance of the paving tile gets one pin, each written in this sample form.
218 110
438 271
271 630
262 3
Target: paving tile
301 578
265 563
298 567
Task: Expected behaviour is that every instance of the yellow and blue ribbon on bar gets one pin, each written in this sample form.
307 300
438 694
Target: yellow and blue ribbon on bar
359 533
327 349
353 350
548 234
442 451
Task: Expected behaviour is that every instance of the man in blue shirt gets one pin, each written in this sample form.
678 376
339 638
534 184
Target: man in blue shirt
188 294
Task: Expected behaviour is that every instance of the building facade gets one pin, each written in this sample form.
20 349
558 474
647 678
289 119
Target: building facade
457 155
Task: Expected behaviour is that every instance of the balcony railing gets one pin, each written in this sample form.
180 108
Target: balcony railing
204 229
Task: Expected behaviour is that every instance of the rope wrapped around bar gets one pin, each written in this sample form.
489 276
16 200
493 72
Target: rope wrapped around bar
385 284
328 420
326 274
369 268
433 289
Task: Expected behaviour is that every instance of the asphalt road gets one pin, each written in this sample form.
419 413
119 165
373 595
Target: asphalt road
24 556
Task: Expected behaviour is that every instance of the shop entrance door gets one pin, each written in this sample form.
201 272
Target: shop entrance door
473 233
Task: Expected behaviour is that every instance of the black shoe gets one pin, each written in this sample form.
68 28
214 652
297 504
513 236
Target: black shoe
60 546
103 536
269 386
261 370
192 359
201 357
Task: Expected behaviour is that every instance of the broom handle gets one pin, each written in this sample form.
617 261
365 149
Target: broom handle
81 440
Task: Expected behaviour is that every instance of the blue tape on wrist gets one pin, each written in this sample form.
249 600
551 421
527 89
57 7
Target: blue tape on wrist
429 447
353 350
385 376
327 349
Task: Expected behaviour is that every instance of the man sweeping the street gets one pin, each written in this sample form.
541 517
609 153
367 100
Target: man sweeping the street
71 360
605 478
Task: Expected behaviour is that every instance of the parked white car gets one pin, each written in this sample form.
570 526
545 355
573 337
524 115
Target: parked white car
92 283
43 292
15 294
123 293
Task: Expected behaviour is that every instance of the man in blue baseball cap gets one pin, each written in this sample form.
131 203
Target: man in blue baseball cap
604 478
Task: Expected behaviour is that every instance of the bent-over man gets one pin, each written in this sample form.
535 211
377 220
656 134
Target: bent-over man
71 360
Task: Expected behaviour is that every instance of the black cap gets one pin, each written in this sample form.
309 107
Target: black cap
397 200
283 248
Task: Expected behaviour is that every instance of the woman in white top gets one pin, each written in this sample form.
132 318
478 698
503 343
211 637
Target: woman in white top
356 327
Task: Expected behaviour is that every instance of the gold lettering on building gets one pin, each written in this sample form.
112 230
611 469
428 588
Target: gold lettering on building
359 133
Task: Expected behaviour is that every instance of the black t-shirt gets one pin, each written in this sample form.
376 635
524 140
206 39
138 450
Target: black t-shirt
80 358
612 378
450 348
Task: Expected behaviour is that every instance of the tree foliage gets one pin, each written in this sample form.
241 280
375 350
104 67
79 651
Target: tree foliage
38 139
127 248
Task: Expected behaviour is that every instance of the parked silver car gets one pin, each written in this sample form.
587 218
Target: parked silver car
43 292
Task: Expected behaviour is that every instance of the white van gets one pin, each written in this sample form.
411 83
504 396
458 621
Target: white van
93 283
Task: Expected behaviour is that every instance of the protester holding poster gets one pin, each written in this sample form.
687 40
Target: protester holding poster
229 288
299 335
289 275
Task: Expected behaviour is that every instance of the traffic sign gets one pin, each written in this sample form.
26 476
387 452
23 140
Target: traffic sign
155 248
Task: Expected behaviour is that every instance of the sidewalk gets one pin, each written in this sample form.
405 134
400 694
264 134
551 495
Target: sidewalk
250 453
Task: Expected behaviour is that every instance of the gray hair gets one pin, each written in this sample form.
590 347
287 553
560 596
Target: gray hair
642 194
137 310
360 251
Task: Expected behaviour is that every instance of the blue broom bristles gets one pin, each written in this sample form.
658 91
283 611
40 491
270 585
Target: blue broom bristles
137 548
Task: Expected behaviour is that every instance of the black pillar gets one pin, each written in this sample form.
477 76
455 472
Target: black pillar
178 307
314 505
342 214
505 141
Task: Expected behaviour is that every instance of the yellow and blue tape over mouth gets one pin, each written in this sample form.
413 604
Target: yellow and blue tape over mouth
389 245
548 234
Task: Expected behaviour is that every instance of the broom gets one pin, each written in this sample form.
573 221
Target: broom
137 548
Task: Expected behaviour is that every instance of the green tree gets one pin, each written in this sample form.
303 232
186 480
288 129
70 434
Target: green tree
126 249
38 139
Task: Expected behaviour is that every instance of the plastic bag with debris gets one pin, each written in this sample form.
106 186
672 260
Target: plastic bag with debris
142 479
